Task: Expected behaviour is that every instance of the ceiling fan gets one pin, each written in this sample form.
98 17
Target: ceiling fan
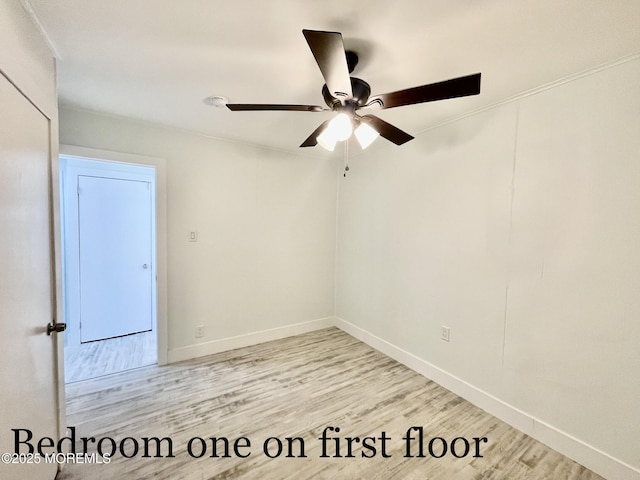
346 95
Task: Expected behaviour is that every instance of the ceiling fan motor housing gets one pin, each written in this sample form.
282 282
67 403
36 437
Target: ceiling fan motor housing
361 91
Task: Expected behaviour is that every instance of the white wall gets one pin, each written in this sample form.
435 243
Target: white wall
265 256
519 228
25 57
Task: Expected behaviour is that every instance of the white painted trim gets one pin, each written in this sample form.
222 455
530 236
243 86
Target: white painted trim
536 90
307 153
161 228
574 448
216 346
28 6
519 96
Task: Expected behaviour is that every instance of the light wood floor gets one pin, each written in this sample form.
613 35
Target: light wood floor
296 387
104 357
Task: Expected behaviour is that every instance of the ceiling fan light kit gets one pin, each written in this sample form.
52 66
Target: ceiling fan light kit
345 95
327 141
340 127
365 135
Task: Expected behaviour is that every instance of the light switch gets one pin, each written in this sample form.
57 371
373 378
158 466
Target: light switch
445 333
193 236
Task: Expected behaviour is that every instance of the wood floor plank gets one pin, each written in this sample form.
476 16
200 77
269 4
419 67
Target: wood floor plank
297 387
113 355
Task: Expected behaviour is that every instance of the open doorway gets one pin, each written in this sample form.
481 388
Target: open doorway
109 266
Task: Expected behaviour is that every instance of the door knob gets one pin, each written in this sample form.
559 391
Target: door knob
56 327
145 266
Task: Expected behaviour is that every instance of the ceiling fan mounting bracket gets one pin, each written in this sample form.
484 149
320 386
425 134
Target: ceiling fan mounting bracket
352 60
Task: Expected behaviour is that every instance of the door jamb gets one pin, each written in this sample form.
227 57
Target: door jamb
77 152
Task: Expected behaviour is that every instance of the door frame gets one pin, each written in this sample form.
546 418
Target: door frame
112 160
71 169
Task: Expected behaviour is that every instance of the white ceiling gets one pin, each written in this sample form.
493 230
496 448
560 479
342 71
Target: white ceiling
156 60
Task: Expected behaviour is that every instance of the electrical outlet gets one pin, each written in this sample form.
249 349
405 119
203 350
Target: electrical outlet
445 333
200 331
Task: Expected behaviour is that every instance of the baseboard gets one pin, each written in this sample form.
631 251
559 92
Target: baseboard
230 343
587 455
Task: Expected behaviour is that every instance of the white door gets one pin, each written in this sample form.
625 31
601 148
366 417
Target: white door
28 375
115 239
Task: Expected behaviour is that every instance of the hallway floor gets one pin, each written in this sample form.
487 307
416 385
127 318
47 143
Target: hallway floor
113 355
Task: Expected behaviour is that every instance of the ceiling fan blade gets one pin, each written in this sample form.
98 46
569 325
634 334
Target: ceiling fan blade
328 50
456 87
386 130
244 107
312 141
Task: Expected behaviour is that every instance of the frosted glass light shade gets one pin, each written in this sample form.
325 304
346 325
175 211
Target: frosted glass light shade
365 135
327 140
341 127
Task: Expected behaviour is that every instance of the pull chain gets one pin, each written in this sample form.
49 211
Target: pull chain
346 158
